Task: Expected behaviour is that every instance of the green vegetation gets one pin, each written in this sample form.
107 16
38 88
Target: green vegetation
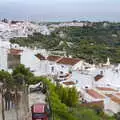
94 43
65 104
68 96
63 101
6 78
22 73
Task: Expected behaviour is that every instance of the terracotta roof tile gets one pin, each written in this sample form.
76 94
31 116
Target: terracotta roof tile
69 83
39 56
95 94
15 51
118 94
94 104
114 98
68 61
106 89
53 58
98 77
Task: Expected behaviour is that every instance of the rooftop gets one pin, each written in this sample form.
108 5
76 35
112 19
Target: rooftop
114 98
118 94
106 89
93 104
95 94
41 57
68 61
98 77
69 83
15 51
53 58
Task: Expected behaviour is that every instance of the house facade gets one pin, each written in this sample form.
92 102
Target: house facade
14 58
112 103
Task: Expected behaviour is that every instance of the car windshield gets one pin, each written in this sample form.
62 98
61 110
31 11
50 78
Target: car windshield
38 115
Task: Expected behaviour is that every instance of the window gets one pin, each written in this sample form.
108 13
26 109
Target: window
52 69
62 66
38 115
61 72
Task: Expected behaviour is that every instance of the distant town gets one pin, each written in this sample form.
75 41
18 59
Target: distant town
98 84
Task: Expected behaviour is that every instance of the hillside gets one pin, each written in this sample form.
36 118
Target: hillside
94 43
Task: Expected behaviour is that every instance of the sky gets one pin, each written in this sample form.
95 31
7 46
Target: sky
60 10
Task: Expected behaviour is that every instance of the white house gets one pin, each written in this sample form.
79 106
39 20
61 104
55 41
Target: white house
57 65
112 103
106 90
13 58
43 64
52 64
47 65
66 65
91 95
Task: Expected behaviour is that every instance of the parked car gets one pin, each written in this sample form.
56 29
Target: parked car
40 111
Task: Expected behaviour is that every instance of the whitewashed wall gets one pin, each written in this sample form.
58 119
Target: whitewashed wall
112 106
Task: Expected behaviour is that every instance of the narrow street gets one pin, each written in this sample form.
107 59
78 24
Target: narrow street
13 113
21 113
35 97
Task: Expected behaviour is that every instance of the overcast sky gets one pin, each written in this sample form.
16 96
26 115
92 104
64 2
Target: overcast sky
60 10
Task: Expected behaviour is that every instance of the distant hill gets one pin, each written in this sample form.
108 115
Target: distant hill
94 43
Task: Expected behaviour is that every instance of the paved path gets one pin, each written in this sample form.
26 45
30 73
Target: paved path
13 113
36 97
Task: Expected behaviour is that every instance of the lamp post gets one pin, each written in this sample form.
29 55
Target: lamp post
2 100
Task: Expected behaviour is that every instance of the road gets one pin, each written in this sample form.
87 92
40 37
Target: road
13 113
36 97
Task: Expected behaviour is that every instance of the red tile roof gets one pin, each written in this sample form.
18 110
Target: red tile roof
98 77
95 94
53 58
99 104
114 98
106 89
68 61
69 83
15 51
39 56
118 94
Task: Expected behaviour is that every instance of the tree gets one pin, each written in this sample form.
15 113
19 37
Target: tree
18 79
21 71
6 78
117 116
72 97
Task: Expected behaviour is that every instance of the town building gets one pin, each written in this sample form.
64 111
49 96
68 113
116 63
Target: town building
14 58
